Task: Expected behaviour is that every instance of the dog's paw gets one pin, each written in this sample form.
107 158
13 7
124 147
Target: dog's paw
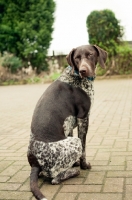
85 165
55 181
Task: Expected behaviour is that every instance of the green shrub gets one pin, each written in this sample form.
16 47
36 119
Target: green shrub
11 62
123 60
104 30
35 79
100 71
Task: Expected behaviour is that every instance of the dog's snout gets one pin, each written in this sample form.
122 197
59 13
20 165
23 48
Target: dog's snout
83 71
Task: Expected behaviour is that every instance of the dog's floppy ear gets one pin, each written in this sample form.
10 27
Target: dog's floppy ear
102 56
70 60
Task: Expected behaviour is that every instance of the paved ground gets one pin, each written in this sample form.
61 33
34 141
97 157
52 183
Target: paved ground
109 145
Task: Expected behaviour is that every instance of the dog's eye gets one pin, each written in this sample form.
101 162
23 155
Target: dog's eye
78 57
90 55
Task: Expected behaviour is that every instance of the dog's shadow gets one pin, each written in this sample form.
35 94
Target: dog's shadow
44 179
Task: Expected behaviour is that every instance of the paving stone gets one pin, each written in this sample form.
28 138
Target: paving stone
128 158
122 153
15 195
95 178
21 163
66 196
102 156
9 186
129 165
20 177
99 162
120 144
81 188
116 160
88 158
92 152
112 149
99 196
107 168
119 174
11 170
4 178
73 181
26 168
128 196
129 181
108 142
113 185
129 189
83 173
4 164
16 158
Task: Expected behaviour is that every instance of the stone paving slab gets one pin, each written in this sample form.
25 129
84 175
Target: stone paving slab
109 145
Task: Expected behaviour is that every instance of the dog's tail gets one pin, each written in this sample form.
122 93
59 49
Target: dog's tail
34 183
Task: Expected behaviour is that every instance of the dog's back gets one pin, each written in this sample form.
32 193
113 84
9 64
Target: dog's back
58 102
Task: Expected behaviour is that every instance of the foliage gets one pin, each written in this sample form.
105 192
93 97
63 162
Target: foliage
11 62
26 28
104 30
34 79
123 60
54 76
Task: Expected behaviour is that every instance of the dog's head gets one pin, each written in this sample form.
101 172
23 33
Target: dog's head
84 59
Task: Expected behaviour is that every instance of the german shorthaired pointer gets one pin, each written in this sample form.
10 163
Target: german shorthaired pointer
63 106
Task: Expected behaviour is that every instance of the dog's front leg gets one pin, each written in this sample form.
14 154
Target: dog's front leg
82 132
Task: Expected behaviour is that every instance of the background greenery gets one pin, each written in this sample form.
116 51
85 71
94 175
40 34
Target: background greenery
25 30
105 31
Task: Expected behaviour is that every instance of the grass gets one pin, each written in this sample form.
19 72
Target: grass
54 76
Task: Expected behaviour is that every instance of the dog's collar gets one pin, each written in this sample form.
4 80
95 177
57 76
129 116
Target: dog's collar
90 78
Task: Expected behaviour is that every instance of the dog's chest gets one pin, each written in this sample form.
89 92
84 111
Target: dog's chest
75 80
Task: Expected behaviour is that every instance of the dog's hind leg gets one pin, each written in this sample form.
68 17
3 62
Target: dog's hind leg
72 172
34 183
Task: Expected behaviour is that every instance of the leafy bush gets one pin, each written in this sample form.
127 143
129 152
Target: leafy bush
104 30
11 62
123 60
26 28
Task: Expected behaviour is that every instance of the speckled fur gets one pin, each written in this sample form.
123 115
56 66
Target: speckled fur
69 124
56 157
75 80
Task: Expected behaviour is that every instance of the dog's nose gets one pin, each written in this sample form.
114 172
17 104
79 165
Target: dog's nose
83 71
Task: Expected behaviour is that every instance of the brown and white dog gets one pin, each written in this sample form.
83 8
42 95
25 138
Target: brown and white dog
63 106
